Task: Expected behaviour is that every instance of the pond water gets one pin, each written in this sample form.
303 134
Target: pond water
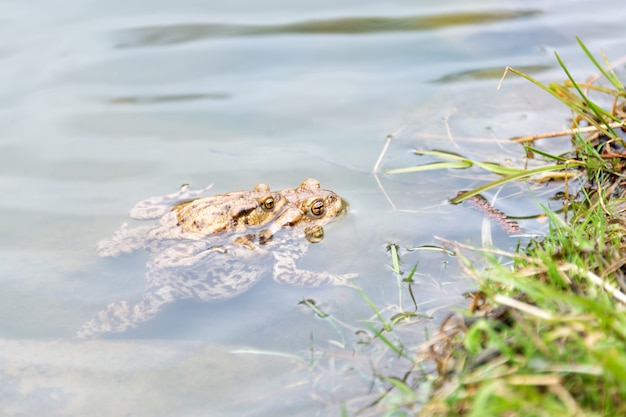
105 103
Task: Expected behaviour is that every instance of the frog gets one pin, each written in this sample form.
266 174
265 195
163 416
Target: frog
208 269
185 215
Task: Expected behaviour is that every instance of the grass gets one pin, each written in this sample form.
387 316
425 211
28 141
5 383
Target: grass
548 336
545 333
551 333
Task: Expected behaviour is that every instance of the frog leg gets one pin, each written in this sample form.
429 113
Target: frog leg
155 207
124 240
291 215
121 316
181 254
286 272
191 253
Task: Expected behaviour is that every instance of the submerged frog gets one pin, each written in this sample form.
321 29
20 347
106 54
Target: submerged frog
184 216
215 264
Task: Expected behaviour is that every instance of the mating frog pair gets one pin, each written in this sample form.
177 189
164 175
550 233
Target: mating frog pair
217 247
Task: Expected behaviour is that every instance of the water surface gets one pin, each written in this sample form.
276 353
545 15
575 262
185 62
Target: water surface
107 103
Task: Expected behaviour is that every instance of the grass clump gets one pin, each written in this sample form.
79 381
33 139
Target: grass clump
549 334
546 333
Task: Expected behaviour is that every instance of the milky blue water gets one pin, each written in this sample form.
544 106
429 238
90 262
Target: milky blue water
105 103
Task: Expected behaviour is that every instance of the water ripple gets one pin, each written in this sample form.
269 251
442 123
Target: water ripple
189 32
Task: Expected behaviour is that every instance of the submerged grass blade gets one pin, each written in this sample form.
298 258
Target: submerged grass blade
430 167
379 335
395 258
432 248
402 387
487 166
441 154
524 174
498 169
311 304
373 307
267 353
456 162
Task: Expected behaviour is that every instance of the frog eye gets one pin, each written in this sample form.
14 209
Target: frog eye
317 208
268 203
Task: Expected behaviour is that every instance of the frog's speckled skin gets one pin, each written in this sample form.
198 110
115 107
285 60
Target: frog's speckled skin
182 218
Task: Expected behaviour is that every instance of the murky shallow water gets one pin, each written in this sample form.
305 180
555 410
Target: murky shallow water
106 103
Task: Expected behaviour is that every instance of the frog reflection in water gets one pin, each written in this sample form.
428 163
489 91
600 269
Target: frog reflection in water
217 247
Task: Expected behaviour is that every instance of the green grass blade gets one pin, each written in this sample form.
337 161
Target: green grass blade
373 307
487 166
309 303
598 111
612 77
395 258
441 154
563 95
378 334
456 162
402 387
430 167
509 178
432 248
545 154
409 278
498 169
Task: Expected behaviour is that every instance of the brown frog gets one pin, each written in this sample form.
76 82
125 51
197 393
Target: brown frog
183 216
224 263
